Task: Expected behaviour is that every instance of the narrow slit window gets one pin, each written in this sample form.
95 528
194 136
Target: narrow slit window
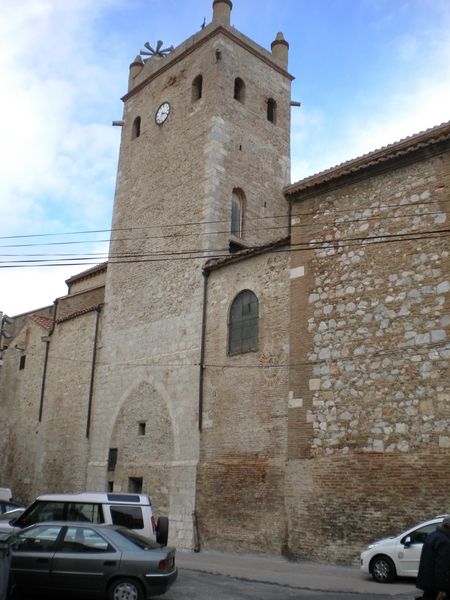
271 110
237 211
136 132
22 361
141 428
197 88
112 459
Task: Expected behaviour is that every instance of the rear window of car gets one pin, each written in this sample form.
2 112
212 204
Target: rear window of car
138 540
127 516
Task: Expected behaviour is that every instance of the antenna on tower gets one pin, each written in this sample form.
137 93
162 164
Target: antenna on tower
159 51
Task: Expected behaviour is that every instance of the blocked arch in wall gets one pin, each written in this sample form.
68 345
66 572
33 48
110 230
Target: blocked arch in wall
143 404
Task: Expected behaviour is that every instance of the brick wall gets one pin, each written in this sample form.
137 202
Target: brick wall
240 484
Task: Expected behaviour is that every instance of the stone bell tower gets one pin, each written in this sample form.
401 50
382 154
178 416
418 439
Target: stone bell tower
204 155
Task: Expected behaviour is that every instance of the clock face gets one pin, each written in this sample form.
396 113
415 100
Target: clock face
162 113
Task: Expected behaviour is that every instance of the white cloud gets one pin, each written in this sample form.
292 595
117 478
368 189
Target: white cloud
58 151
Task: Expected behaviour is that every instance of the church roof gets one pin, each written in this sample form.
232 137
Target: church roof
408 145
88 273
216 263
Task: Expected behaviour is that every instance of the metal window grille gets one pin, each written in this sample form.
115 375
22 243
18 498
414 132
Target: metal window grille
244 323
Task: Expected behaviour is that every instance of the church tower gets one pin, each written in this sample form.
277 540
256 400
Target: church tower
204 156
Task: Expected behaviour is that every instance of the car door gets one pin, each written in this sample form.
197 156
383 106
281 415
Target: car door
31 554
411 549
84 561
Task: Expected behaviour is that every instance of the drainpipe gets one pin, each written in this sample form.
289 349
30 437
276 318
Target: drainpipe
290 216
202 351
94 357
200 395
47 350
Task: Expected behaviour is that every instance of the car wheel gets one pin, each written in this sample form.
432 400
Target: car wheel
383 569
125 589
162 531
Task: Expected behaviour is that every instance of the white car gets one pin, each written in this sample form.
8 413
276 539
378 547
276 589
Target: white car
397 556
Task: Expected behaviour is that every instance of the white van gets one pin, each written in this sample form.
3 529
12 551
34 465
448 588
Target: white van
133 511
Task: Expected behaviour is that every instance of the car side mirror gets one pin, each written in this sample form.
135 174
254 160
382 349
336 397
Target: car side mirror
407 541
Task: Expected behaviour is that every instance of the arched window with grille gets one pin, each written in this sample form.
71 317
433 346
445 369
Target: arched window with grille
237 212
243 323
197 88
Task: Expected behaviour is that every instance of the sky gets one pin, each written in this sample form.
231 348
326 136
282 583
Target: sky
367 73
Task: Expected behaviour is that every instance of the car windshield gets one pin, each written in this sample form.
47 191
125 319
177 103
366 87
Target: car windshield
138 540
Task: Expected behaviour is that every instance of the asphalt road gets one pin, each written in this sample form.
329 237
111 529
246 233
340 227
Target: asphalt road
195 585
192 585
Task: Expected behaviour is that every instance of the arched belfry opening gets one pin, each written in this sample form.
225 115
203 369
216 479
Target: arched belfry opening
271 110
197 88
239 90
136 130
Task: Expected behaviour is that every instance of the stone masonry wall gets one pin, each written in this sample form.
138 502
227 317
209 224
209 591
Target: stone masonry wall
240 483
19 410
173 197
62 445
370 326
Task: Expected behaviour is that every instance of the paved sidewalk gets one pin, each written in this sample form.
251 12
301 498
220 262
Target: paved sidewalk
302 575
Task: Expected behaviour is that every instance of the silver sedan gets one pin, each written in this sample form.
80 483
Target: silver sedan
89 560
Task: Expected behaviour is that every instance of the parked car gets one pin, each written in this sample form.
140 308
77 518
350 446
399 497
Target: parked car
7 505
398 556
12 514
128 510
86 559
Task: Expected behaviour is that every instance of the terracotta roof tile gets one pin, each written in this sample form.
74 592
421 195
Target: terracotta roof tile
78 313
44 322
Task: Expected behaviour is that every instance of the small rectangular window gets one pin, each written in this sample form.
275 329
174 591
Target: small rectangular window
22 362
135 485
142 428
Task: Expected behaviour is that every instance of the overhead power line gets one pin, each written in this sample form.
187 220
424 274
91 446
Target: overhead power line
209 254
249 219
